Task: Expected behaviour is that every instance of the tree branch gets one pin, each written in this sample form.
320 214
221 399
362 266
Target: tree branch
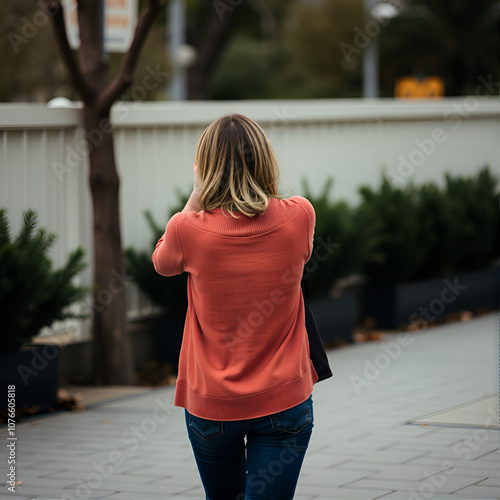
55 10
125 74
209 46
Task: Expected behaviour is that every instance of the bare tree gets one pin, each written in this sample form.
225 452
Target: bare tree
90 77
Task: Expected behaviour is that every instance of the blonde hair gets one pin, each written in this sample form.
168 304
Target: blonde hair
237 167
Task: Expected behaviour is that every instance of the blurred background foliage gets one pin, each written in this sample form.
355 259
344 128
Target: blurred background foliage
266 49
412 233
394 235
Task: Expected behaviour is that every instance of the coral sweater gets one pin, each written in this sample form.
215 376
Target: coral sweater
245 350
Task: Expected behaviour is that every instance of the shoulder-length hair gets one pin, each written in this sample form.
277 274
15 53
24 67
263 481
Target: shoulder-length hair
237 167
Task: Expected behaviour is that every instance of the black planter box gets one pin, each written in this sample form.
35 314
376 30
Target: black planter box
335 317
392 306
168 340
34 373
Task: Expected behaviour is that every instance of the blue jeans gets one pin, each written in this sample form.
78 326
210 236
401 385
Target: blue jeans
267 466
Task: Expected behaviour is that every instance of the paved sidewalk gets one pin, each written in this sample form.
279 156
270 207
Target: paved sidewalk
362 447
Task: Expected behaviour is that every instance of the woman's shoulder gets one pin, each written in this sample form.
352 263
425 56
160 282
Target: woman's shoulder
294 202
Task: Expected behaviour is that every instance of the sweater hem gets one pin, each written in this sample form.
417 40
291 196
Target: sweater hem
246 407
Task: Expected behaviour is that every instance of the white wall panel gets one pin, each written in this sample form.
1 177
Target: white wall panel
43 164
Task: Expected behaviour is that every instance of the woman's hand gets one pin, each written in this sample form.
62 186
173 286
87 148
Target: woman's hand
193 204
197 181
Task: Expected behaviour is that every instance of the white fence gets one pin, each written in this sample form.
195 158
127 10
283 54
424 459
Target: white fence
43 156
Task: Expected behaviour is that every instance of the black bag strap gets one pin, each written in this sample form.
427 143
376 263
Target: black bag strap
317 351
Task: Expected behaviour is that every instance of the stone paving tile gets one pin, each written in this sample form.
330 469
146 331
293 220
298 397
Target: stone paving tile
356 448
391 457
52 493
402 495
489 469
14 495
352 494
326 460
340 494
157 471
335 493
143 488
75 477
177 481
493 456
358 466
492 481
478 492
43 482
138 496
408 472
468 450
333 477
442 438
441 483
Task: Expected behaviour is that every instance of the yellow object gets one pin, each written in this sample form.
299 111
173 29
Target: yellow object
417 88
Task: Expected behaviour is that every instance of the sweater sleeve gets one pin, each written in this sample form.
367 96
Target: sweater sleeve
308 209
168 257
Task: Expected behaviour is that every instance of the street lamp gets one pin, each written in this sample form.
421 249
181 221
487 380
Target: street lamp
381 12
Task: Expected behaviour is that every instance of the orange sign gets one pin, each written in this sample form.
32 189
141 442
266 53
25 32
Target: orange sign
120 18
419 88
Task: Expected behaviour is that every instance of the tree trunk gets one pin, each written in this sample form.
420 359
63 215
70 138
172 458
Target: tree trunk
209 42
112 354
198 79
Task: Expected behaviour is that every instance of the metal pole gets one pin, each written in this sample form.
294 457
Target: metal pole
177 25
370 69
370 58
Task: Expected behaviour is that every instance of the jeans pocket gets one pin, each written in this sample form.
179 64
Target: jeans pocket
206 429
294 419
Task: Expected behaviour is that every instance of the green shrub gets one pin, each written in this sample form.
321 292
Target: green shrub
352 230
32 294
474 218
400 250
427 232
168 293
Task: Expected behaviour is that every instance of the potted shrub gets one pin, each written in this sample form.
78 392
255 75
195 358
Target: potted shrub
343 238
437 250
169 294
32 295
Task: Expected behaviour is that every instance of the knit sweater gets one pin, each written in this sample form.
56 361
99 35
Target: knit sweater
245 349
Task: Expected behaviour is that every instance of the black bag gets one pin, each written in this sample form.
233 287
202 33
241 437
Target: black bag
317 351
